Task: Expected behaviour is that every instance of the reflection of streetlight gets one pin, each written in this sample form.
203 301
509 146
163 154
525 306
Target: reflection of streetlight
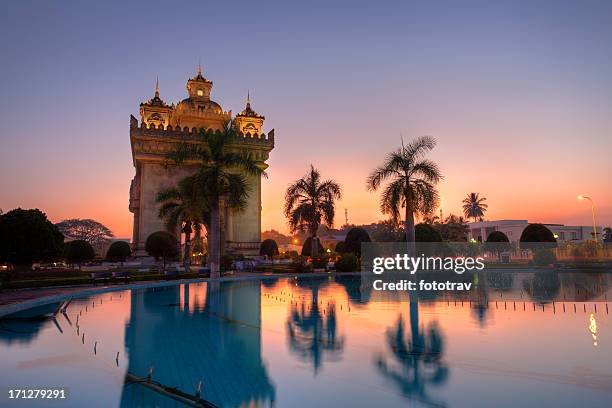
581 197
593 328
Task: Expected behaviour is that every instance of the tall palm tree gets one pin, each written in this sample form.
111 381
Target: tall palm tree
220 179
309 202
412 183
474 206
183 206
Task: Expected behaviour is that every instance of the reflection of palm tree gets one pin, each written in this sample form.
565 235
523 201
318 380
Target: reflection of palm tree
481 303
311 335
419 358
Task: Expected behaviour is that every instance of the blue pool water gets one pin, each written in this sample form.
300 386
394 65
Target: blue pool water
516 339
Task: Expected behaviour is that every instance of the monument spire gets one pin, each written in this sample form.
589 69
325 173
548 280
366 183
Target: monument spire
157 87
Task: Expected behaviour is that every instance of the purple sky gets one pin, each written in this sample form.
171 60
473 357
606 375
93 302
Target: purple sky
518 94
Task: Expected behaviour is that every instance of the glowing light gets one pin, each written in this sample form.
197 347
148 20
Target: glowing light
593 328
556 236
295 241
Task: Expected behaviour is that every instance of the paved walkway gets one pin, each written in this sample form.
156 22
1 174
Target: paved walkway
11 296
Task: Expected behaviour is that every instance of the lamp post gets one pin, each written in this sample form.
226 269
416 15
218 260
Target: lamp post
581 197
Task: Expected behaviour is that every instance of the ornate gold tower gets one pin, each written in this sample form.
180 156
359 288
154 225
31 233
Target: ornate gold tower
161 128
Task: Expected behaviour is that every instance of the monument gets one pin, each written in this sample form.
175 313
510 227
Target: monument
160 129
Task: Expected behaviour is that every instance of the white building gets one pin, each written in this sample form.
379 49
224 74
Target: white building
514 228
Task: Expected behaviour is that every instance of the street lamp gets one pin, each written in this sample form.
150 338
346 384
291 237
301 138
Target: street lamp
581 197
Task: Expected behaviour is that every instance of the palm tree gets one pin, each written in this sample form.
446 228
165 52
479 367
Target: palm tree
309 202
474 206
220 179
412 184
183 206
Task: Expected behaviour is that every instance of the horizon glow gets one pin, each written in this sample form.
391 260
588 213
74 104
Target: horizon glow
517 95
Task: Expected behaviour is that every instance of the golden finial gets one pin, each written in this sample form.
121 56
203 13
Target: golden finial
199 69
157 87
248 101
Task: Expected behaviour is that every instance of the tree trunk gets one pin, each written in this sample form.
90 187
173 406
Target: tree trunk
187 254
409 227
214 240
314 246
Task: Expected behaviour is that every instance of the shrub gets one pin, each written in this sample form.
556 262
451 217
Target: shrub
119 251
426 233
544 257
347 263
269 248
354 238
299 266
27 236
226 262
319 262
497 236
538 234
79 251
340 248
162 245
306 248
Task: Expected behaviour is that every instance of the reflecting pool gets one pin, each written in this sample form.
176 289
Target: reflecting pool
516 339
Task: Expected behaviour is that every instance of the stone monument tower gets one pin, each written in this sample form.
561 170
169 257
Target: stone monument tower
160 129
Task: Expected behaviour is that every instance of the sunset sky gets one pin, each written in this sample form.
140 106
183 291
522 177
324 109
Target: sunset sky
517 93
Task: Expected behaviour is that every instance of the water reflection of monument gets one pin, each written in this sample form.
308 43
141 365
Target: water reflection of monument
218 344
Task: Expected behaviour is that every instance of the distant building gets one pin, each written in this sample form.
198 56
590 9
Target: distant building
514 228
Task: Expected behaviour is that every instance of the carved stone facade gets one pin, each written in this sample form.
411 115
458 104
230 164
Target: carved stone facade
161 128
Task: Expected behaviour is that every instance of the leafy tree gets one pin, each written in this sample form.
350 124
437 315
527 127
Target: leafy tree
308 245
221 175
454 229
412 184
184 206
354 237
309 202
340 248
427 233
79 251
474 206
537 236
162 245
386 231
269 248
85 229
497 236
27 236
119 251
